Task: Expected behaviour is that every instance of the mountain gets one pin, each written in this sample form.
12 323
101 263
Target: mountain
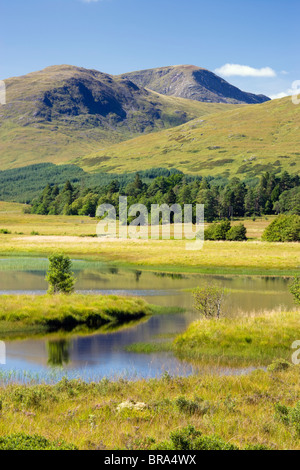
243 142
64 112
194 83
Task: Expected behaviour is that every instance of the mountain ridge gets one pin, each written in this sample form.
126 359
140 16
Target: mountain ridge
192 82
63 112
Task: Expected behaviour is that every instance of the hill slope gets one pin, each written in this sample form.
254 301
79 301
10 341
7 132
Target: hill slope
191 82
243 142
63 112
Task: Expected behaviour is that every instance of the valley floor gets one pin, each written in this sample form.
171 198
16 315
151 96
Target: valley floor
252 257
35 235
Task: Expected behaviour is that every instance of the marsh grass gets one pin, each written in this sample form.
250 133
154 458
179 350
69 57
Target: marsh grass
255 339
241 410
54 312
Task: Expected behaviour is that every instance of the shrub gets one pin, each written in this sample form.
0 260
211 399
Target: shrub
285 228
32 397
191 407
191 439
289 416
295 290
279 365
217 231
35 442
4 231
237 233
209 300
257 447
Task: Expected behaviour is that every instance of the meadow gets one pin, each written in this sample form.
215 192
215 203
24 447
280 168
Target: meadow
259 410
37 235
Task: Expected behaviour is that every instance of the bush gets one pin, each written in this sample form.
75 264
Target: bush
237 233
209 300
192 407
295 290
289 416
217 231
26 442
285 228
279 365
191 439
32 397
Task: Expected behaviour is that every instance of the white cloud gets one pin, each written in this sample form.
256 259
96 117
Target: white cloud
277 96
293 91
230 70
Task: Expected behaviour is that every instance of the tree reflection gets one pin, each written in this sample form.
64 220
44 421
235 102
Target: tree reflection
58 352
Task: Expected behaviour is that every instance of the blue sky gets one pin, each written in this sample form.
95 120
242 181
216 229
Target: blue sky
117 36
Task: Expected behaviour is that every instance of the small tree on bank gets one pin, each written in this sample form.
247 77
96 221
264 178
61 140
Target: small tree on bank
295 290
59 276
209 301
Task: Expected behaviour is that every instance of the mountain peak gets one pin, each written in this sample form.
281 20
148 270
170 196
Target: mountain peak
192 82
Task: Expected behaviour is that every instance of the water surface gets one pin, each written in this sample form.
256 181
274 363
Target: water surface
104 354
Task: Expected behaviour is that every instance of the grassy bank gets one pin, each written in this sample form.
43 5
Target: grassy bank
43 313
236 342
251 258
242 410
252 339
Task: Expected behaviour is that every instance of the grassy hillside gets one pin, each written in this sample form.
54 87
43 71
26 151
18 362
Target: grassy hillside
65 112
243 141
191 82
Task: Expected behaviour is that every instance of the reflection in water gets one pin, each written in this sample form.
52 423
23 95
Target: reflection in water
170 275
104 354
113 270
137 275
58 352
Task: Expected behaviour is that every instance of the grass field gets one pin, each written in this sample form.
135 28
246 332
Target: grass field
242 410
216 257
13 219
36 235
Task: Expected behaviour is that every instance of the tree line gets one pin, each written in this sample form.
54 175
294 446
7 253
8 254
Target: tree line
272 194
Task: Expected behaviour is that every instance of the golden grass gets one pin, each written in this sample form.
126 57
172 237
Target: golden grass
255 338
240 409
239 257
13 219
72 235
61 311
